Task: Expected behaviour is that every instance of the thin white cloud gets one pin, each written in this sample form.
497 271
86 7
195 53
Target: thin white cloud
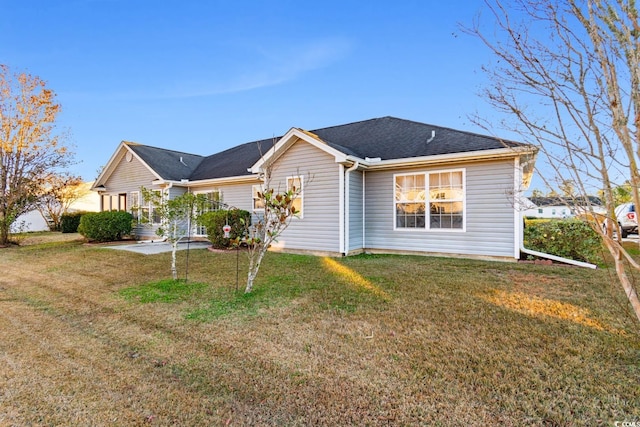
253 67
270 67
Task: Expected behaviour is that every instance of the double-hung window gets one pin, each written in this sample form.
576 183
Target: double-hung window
134 205
295 183
213 202
430 200
258 200
147 211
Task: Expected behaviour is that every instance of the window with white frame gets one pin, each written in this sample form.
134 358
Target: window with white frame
214 200
295 183
146 211
114 202
258 201
430 200
134 205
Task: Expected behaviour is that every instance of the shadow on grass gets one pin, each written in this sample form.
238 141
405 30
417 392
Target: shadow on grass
324 283
164 291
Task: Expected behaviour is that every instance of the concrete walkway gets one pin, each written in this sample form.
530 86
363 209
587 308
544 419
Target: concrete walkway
152 248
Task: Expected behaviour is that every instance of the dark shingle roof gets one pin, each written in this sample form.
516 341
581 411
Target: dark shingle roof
386 137
170 165
392 138
232 162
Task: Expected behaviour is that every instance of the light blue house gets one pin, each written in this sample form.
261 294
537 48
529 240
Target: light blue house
383 185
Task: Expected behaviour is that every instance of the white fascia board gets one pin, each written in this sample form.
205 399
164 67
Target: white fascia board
218 181
444 158
291 137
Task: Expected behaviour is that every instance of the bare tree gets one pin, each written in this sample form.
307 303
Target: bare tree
30 150
567 77
59 193
279 207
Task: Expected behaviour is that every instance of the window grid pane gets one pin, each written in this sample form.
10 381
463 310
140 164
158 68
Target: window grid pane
410 201
446 195
295 183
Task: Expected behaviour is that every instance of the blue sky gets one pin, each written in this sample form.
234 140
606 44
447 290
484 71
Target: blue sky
203 76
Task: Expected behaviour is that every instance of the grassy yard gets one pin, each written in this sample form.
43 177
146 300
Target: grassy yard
92 336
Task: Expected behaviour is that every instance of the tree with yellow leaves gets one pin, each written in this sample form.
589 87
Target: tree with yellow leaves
31 151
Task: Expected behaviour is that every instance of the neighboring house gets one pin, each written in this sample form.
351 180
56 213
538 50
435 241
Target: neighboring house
33 220
383 185
558 207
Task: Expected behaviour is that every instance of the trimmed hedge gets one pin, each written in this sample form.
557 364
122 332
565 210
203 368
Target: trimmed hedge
215 220
568 238
105 226
69 222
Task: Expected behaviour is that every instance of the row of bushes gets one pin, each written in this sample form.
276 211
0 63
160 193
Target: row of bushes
113 225
569 238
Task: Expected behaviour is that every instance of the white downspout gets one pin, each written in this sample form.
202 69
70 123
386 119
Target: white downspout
364 210
558 258
519 227
345 249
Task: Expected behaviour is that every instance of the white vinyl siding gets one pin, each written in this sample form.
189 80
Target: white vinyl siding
234 196
489 214
127 178
355 216
319 229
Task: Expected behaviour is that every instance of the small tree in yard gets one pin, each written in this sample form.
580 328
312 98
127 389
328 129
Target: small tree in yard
176 217
279 209
59 192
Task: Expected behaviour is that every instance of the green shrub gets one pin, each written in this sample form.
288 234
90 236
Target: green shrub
105 226
215 220
570 238
69 222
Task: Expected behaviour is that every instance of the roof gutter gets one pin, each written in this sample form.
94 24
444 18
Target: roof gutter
225 180
425 160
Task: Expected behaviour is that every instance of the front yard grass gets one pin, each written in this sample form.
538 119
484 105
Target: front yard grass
99 337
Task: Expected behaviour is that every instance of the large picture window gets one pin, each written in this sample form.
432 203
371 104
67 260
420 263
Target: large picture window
430 200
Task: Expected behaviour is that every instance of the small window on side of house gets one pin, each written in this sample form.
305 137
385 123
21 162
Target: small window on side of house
295 183
258 201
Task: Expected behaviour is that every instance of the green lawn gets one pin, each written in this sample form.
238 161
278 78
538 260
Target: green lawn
100 337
